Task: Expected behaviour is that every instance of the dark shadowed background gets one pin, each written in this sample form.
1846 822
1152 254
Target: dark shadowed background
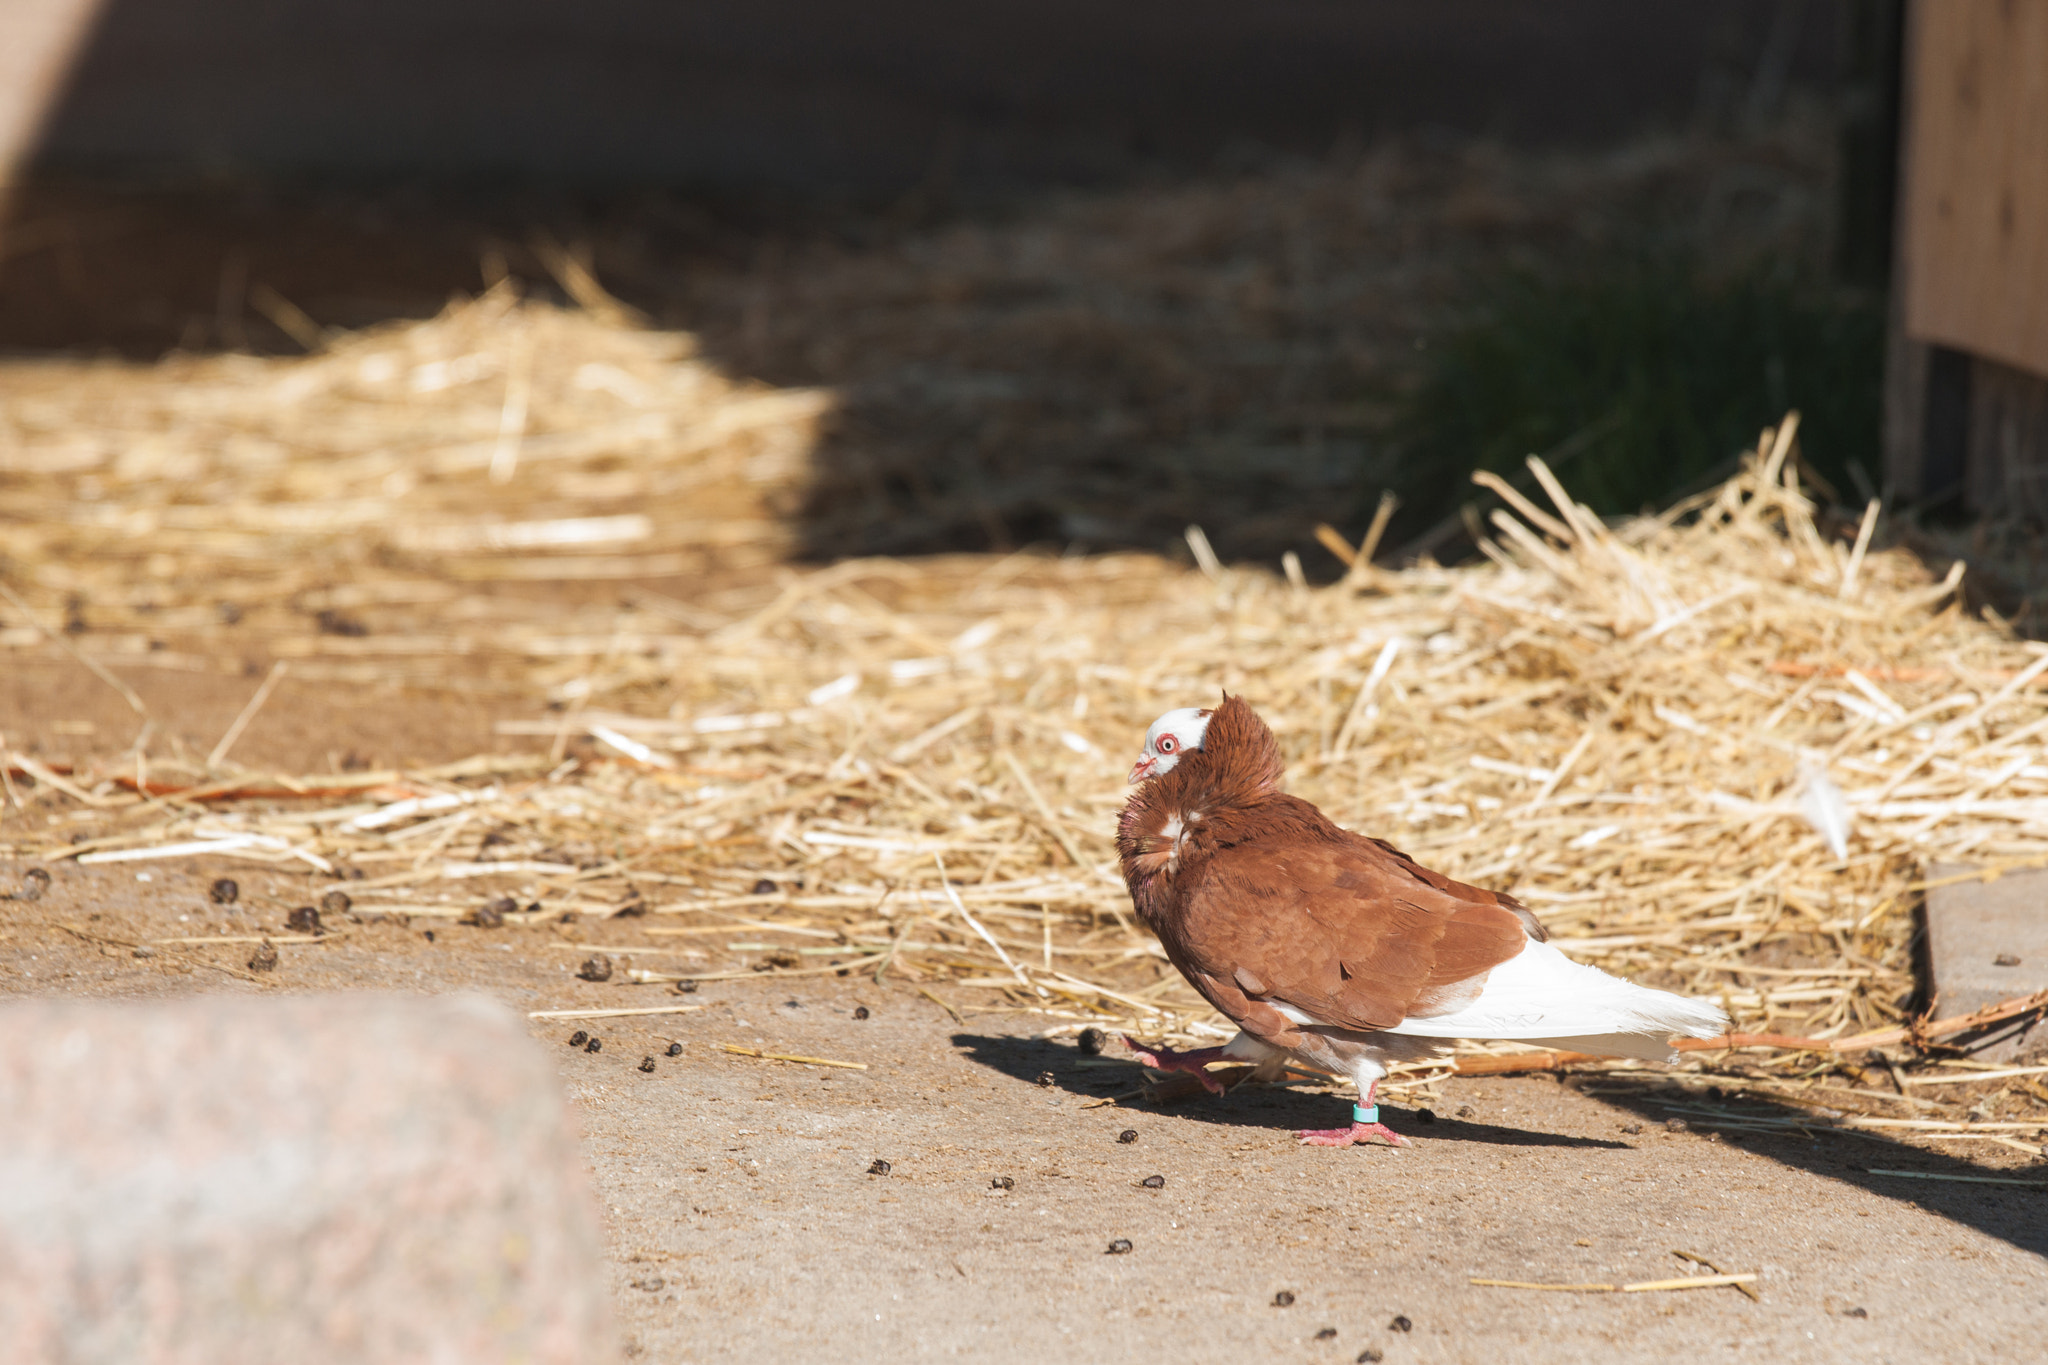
1082 274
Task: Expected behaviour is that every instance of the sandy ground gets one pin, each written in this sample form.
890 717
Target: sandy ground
746 1224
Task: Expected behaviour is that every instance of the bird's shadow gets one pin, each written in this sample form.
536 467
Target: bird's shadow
1074 1073
1938 1182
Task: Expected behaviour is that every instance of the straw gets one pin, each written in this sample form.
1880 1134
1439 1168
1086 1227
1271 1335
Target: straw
1641 1287
247 714
1607 722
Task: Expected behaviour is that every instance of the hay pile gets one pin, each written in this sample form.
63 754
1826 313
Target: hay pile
496 441
1102 369
911 770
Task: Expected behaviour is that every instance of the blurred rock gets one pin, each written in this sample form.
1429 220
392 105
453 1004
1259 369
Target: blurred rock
315 1180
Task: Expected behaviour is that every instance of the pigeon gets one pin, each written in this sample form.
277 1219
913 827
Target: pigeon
1339 951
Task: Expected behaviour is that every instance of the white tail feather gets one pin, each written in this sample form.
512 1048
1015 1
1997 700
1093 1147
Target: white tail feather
1542 996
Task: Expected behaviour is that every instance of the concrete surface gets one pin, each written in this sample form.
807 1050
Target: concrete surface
1987 942
366 1178
743 1187
742 1223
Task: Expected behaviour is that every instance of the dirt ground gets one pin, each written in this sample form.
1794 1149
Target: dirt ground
746 1221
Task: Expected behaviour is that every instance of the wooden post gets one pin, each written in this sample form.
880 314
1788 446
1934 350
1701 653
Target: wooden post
1966 409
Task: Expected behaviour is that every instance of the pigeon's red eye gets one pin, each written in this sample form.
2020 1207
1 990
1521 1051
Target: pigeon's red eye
1167 744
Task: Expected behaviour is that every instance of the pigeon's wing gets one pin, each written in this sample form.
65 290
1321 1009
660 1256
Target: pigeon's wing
1462 891
1345 930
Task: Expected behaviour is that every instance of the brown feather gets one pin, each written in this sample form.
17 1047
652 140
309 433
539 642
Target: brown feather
1254 893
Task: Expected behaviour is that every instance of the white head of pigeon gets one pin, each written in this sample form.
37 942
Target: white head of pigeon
1172 735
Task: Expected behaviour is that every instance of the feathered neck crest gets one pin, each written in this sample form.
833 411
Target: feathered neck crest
1238 763
1237 767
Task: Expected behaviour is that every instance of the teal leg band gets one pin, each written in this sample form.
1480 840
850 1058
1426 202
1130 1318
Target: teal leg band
1361 1114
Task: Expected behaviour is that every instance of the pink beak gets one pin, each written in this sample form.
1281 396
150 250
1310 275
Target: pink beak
1142 769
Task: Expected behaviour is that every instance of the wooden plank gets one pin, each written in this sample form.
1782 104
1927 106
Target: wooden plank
1975 211
1988 942
2007 460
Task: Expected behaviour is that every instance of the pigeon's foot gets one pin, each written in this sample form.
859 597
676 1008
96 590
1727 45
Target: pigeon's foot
1360 1134
1194 1062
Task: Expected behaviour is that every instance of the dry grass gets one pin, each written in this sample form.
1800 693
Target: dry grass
1105 368
923 761
169 496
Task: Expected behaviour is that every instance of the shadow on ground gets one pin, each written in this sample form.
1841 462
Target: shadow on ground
1265 1107
1226 346
2016 1214
1800 1138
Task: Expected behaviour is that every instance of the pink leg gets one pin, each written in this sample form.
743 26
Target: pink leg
1362 1130
1193 1062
